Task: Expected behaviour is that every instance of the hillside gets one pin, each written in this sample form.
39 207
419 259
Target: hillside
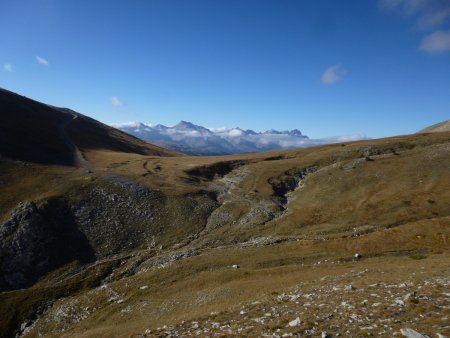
350 238
437 128
36 132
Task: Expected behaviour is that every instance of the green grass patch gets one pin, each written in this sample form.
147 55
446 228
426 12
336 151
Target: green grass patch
417 257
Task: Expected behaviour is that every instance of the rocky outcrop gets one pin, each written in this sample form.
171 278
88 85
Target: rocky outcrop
114 216
36 239
288 182
23 247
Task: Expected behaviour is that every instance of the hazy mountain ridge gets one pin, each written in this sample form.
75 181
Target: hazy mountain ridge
197 140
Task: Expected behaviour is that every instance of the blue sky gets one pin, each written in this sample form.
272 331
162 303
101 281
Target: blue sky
325 67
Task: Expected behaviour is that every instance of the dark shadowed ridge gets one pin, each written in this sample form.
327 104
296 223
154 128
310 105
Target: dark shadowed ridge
36 132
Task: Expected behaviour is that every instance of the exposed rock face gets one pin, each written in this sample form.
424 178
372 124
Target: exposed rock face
288 182
118 215
108 219
23 247
36 239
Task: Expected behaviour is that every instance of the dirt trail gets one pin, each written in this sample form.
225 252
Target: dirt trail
78 159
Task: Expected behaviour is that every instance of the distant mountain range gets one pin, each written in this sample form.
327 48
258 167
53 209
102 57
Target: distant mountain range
192 139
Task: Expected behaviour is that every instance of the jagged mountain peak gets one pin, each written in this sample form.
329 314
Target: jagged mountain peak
201 140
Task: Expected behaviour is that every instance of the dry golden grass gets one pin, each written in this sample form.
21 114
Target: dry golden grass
386 199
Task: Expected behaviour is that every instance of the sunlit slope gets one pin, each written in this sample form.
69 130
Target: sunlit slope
437 128
127 235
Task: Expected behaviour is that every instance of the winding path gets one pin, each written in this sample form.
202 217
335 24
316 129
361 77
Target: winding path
78 158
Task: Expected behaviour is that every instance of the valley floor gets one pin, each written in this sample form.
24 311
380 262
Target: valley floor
250 245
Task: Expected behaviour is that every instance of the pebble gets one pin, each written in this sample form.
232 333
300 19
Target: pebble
295 322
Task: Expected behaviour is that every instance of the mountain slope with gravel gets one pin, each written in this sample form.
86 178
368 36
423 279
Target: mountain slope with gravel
348 239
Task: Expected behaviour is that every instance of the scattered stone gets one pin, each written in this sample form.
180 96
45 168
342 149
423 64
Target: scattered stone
325 335
409 295
295 322
410 333
399 302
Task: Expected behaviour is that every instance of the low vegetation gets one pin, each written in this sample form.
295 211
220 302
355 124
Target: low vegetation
277 244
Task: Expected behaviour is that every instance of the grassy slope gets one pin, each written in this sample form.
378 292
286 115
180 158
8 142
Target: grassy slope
437 128
387 199
393 203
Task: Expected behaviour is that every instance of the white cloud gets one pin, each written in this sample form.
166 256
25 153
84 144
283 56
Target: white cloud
434 17
283 141
116 102
128 125
436 42
429 13
333 74
8 67
235 133
218 130
41 61
407 7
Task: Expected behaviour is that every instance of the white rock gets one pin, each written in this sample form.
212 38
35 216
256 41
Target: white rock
259 320
143 287
409 295
295 322
242 312
441 335
357 256
235 266
399 302
354 316
410 333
